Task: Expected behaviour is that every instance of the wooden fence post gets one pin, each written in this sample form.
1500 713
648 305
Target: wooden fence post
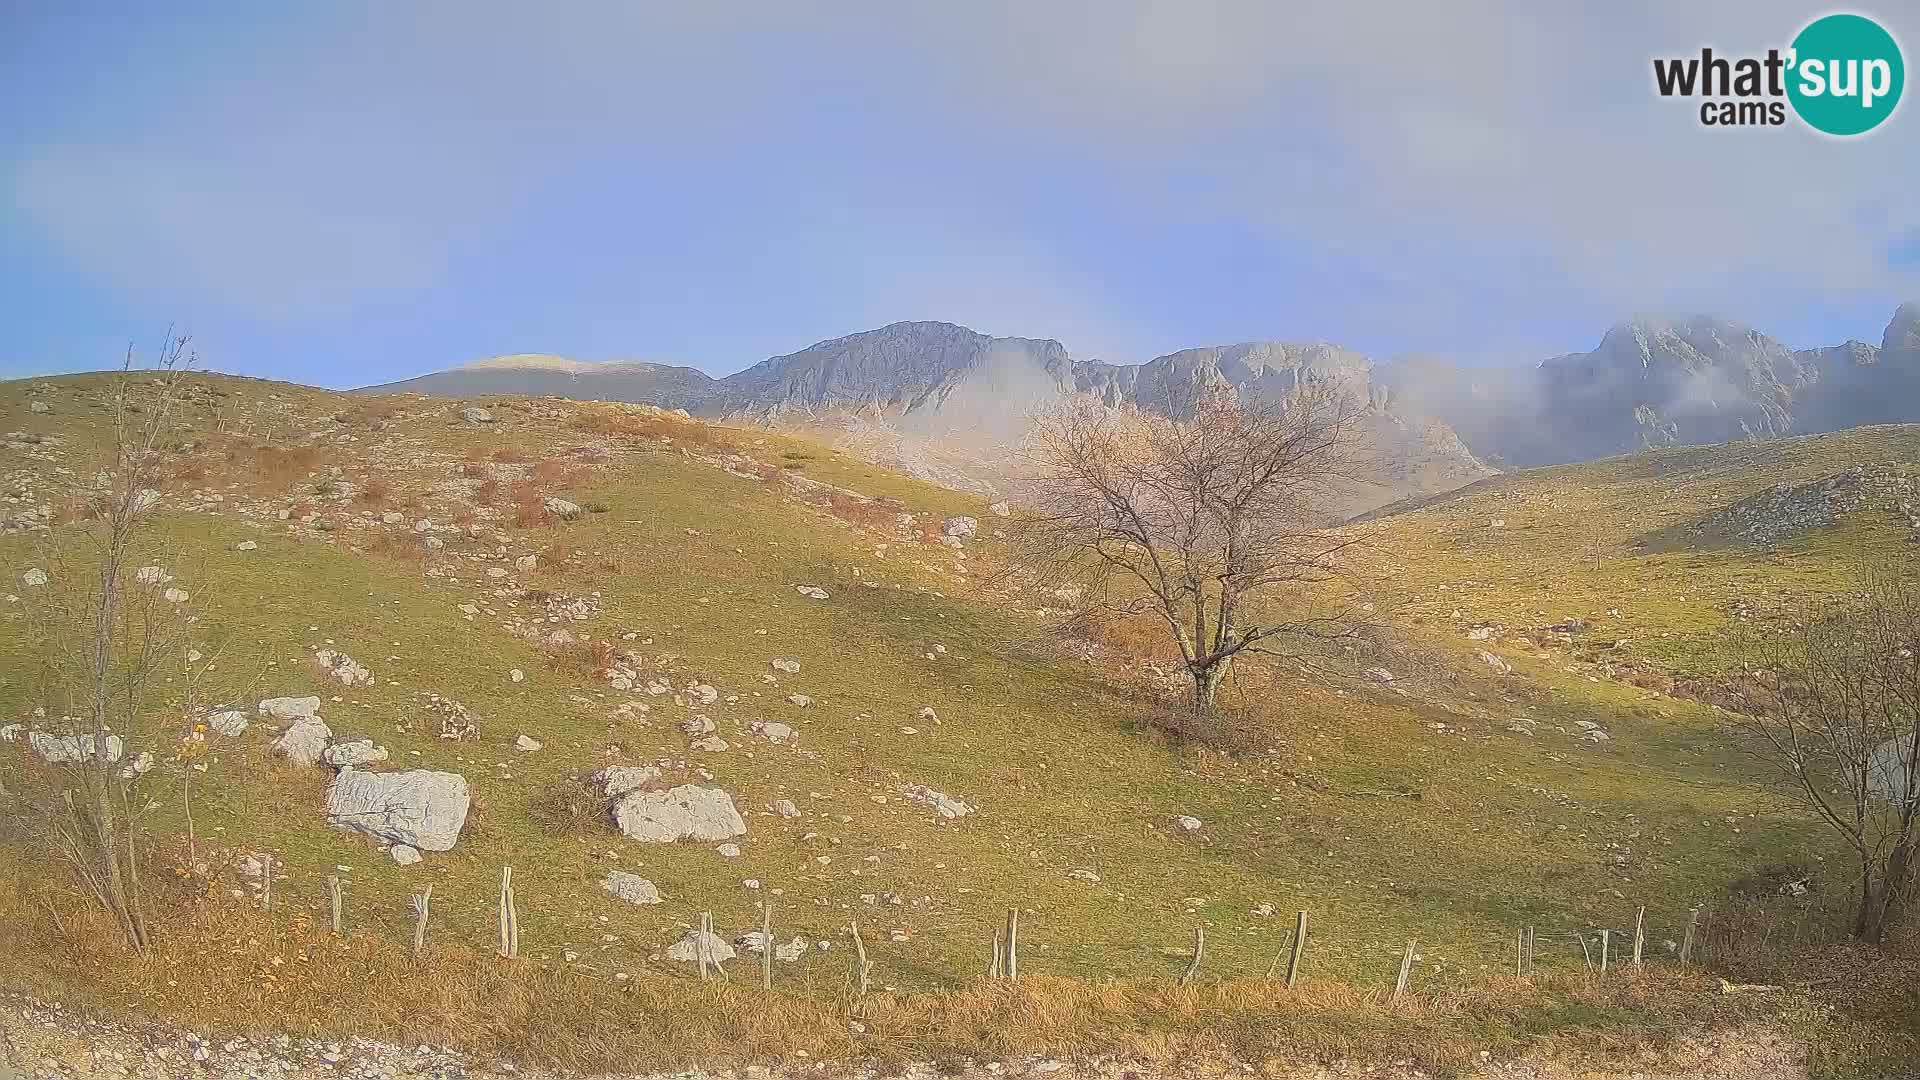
266 881
700 943
766 944
1293 955
863 968
333 900
1013 944
1606 947
1639 935
1585 953
1406 969
997 967
1529 952
1199 950
1686 939
422 905
509 916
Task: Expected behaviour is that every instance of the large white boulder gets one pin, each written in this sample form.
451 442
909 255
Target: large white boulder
420 808
65 749
687 812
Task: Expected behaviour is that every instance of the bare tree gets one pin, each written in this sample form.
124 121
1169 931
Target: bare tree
1834 704
1203 517
111 631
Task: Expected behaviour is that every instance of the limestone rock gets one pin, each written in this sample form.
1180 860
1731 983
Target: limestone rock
474 414
230 722
349 755
945 805
688 949
304 741
632 888
291 708
405 854
562 509
960 527
420 808
686 812
342 668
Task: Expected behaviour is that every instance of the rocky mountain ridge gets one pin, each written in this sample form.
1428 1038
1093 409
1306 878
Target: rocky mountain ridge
945 401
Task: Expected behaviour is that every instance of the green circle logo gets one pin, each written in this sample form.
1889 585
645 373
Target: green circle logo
1846 74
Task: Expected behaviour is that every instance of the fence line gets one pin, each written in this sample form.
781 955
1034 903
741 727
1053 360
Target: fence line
1003 963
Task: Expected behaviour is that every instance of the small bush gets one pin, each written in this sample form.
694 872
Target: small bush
570 807
1224 729
376 491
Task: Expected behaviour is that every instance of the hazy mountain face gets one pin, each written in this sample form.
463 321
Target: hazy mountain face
947 402
537 375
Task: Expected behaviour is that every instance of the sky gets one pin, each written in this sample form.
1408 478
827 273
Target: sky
349 193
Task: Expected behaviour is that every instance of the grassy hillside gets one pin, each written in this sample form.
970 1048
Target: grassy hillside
1395 812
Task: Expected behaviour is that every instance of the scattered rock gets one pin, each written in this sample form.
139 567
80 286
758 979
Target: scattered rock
686 812
291 708
405 854
960 527
516 675
527 744
246 545
474 414
728 851
1084 875
562 509
946 805
772 730
999 509
526 564
304 741
1499 666
342 668
349 755
61 749
420 808
1188 823
34 578
785 808
632 888
689 948
799 700
230 722
814 591
789 667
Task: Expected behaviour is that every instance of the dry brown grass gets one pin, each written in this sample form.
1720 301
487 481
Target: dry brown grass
487 492
558 472
375 491
276 468
475 470
369 413
226 967
507 455
589 659
653 428
571 807
878 514
398 546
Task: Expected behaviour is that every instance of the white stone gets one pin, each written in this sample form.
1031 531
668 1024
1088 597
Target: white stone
353 754
688 949
960 527
230 722
686 812
419 807
632 888
474 414
527 744
789 667
945 805
526 563
34 578
405 854
1188 823
290 708
516 675
304 741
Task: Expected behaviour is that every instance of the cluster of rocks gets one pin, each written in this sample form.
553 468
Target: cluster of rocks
1791 510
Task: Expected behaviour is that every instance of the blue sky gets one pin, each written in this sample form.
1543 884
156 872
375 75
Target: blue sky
347 193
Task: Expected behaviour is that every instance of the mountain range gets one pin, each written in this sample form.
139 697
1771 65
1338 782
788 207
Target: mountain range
946 402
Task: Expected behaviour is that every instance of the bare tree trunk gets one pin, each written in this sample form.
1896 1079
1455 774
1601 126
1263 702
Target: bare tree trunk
1206 684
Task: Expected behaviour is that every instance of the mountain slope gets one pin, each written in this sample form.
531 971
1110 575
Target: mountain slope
539 374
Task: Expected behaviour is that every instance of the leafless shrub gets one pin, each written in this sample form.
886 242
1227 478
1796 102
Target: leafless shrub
1200 518
1834 705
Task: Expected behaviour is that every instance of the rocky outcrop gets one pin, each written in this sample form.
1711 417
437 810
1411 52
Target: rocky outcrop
1787 511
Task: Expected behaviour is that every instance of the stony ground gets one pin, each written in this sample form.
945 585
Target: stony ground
46 1042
